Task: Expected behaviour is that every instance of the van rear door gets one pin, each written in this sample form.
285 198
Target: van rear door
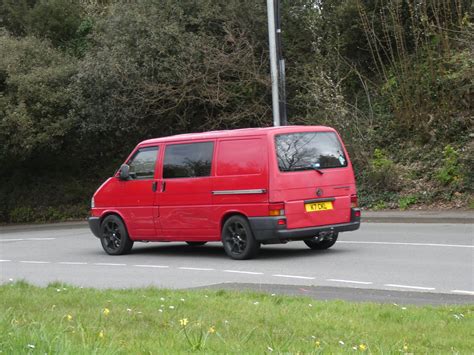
313 176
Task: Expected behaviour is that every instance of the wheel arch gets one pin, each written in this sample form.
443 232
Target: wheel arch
229 214
114 213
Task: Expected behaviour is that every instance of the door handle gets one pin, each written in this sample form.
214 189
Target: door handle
154 185
163 186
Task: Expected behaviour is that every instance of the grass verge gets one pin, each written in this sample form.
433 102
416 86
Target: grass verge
66 319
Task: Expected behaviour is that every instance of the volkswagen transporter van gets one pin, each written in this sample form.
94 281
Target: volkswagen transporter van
242 187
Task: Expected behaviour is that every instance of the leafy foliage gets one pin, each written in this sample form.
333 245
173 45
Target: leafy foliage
36 98
81 82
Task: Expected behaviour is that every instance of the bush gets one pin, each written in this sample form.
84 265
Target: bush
450 173
407 201
35 99
382 174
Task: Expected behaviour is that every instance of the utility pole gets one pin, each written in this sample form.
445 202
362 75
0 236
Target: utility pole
281 66
277 63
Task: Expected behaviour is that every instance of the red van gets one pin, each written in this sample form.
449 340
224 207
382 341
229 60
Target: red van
243 187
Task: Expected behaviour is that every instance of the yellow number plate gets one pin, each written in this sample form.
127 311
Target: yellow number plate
318 206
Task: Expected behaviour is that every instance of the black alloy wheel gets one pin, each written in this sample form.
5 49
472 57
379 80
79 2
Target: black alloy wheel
237 237
316 243
114 237
196 244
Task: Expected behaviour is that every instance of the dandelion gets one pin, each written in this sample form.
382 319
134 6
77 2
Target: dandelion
69 317
269 348
183 322
182 299
129 310
341 342
160 310
403 308
171 307
31 346
317 343
354 348
255 303
273 295
310 305
58 290
212 330
405 347
362 347
101 334
206 296
106 312
162 299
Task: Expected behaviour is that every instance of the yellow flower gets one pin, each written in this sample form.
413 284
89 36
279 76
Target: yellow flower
362 347
69 317
317 343
101 334
405 347
183 322
106 311
212 330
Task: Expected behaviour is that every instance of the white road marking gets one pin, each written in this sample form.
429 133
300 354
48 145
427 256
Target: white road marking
411 287
244 272
40 238
4 261
464 292
410 244
35 262
71 263
295 277
109 264
196 268
25 239
351 281
153 266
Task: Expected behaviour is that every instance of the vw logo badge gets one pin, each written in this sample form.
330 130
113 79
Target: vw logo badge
319 192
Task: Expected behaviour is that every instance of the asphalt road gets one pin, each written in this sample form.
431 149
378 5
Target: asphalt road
381 261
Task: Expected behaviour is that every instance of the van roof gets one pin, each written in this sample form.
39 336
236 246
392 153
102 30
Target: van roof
236 133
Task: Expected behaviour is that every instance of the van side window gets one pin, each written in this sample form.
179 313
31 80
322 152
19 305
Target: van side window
142 164
240 157
188 160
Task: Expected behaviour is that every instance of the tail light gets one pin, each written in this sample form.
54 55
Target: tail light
276 209
354 202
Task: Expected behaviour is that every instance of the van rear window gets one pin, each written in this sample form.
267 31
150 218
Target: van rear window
309 150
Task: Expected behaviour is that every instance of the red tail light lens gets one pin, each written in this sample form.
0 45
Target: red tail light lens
354 202
276 209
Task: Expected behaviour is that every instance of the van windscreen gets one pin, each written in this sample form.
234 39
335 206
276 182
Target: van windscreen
309 150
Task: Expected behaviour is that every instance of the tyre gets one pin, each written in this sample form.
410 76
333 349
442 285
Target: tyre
327 241
114 236
196 244
237 237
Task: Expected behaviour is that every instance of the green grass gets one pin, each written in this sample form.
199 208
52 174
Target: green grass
64 319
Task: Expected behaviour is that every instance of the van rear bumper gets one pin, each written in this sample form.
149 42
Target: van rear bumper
267 230
94 225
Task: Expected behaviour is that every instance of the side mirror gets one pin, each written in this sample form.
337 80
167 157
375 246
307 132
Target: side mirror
124 172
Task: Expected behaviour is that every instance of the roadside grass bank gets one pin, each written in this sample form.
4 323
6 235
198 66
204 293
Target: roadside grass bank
65 319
